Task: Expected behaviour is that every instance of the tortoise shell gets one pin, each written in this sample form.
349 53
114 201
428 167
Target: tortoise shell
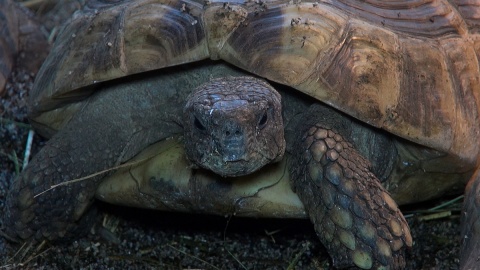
410 68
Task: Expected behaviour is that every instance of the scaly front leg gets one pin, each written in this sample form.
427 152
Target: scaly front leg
354 216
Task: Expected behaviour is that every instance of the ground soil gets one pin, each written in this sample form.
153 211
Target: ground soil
140 239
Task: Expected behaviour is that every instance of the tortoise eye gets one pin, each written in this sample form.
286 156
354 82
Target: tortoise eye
198 124
263 120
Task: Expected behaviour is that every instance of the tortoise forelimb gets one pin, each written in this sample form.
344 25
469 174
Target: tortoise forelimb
354 216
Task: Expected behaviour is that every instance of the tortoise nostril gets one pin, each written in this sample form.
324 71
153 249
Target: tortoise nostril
233 133
232 146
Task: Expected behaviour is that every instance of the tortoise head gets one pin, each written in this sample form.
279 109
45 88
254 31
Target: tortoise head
233 126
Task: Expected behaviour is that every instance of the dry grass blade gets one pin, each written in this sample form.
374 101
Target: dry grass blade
435 216
128 164
295 260
271 233
236 259
28 148
437 212
14 158
33 257
37 4
22 252
17 253
18 124
194 257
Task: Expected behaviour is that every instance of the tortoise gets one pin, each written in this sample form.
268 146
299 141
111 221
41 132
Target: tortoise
170 105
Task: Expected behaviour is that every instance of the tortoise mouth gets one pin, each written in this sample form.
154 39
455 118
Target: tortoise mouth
234 157
234 168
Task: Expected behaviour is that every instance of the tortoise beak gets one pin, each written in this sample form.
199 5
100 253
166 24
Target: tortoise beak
234 155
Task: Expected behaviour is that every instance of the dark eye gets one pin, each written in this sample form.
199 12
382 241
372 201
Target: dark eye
263 120
198 124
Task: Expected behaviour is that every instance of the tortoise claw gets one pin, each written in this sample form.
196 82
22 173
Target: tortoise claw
354 216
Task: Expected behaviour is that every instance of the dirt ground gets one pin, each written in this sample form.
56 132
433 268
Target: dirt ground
140 239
